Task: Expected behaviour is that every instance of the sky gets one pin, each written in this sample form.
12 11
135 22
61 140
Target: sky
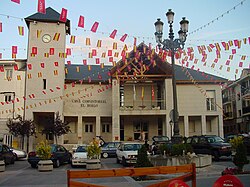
210 22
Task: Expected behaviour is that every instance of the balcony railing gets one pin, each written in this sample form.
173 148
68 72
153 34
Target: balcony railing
228 115
143 105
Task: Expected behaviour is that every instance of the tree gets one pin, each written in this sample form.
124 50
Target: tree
20 127
56 127
142 158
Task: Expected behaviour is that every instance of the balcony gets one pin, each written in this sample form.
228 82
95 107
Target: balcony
228 115
246 94
143 105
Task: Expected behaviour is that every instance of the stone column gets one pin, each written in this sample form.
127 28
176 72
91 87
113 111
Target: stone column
79 130
220 126
203 125
115 110
98 126
186 126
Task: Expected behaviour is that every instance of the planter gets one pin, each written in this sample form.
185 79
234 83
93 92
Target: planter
2 166
93 164
45 165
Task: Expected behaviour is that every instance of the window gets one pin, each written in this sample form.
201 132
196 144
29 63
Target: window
7 98
8 74
106 127
89 128
44 84
210 100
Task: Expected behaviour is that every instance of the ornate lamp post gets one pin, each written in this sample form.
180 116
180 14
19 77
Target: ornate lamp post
173 45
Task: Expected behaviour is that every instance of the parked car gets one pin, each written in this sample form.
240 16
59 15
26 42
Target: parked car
210 144
127 152
109 149
19 154
59 155
80 156
157 142
6 154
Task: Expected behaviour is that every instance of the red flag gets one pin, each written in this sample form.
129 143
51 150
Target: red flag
29 66
93 52
16 67
34 50
63 15
68 51
240 64
16 1
109 52
69 62
111 59
14 49
94 27
56 63
51 51
41 6
233 51
84 61
81 22
135 40
97 61
1 27
0 55
112 35
42 64
123 38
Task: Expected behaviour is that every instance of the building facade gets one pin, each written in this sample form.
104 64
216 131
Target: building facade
116 102
236 105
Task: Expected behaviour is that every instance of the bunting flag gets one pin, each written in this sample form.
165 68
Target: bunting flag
88 41
103 54
81 22
97 61
233 51
56 64
21 30
51 51
99 43
230 43
14 49
41 6
69 62
46 55
38 33
102 65
55 72
94 53
89 67
243 57
123 38
15 67
1 55
90 55
34 50
109 52
1 27
114 45
63 15
217 45
68 51
72 39
111 59
42 65
56 36
29 75
39 74
18 77
116 54
112 35
16 1
84 61
245 40
240 64
77 69
94 27
230 57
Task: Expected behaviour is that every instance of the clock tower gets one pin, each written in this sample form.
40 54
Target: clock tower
45 68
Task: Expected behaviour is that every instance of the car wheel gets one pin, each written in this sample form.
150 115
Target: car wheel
16 158
57 163
216 155
124 161
105 155
33 165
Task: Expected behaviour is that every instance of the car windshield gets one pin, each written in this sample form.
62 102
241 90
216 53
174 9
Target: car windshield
160 139
81 149
215 139
132 147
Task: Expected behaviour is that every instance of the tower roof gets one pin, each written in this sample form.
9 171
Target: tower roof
51 16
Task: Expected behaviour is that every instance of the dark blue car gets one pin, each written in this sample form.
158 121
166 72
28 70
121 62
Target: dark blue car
59 155
109 149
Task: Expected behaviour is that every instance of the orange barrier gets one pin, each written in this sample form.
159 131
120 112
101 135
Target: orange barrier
188 170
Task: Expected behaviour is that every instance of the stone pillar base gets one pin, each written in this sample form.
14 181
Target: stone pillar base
45 165
2 166
93 164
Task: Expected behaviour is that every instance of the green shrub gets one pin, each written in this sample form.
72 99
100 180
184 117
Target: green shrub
180 149
43 150
165 148
142 158
93 150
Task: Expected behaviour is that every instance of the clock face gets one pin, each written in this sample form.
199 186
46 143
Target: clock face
46 38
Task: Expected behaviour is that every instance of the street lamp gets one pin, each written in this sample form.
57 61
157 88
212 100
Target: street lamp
172 45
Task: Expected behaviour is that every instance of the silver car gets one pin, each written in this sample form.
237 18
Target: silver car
19 154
